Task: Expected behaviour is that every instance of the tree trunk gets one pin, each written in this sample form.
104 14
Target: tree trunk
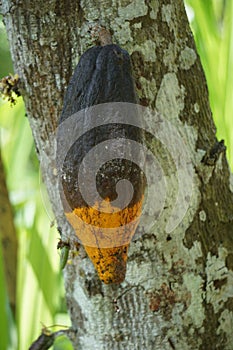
178 291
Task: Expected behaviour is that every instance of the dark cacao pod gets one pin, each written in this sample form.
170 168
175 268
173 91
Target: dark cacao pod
103 75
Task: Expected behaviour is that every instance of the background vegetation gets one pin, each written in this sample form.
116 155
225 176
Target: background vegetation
212 25
40 293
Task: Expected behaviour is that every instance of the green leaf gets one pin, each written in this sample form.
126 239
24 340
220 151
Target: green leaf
62 343
212 26
6 321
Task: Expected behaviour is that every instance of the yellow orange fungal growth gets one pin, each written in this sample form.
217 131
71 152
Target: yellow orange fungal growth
98 216
100 229
106 236
110 263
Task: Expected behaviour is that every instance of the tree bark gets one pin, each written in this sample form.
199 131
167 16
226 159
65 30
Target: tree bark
178 290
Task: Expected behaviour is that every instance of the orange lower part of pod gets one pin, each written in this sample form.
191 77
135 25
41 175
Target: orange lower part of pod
110 263
106 232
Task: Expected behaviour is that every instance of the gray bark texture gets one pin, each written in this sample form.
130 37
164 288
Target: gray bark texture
178 290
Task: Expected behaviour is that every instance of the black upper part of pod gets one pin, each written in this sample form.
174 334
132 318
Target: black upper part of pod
102 75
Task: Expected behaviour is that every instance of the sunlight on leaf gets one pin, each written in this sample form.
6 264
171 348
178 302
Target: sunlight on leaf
212 25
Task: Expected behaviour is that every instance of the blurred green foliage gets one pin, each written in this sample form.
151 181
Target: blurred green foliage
212 25
5 313
5 58
40 293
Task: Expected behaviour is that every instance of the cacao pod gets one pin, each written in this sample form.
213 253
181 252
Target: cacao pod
102 76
